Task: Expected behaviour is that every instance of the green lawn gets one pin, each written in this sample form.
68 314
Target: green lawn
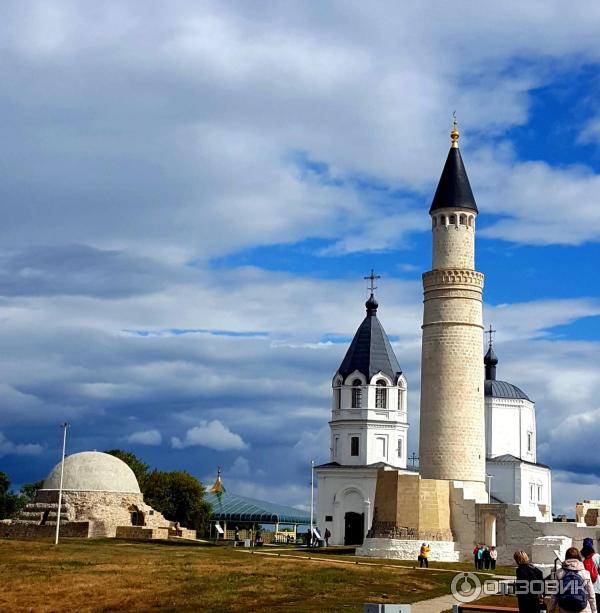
110 575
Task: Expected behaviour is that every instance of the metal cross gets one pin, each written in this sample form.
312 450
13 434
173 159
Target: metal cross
372 278
414 458
491 333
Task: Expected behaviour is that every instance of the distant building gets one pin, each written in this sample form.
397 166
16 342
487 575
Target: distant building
511 447
478 480
369 431
101 498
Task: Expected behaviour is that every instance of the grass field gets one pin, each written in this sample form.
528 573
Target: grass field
110 575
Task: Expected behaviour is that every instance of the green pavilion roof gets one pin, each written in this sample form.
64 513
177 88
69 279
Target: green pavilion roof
230 507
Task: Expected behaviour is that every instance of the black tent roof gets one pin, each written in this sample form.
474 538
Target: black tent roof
454 189
370 351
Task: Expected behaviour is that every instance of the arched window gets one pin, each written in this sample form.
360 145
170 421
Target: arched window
463 220
452 220
337 398
471 221
381 395
356 394
443 220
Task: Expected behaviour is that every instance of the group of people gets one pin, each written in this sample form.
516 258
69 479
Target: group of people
578 581
258 537
314 538
485 557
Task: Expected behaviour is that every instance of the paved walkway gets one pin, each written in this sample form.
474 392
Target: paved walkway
435 605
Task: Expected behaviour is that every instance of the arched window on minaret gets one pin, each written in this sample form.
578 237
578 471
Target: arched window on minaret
381 395
356 394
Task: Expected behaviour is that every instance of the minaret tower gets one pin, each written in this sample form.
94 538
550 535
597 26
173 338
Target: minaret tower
452 427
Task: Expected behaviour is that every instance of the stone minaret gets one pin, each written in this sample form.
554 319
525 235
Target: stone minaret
452 429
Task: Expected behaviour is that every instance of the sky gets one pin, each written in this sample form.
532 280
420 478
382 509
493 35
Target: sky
192 192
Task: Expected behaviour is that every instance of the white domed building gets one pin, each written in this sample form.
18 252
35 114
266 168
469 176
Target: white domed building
101 498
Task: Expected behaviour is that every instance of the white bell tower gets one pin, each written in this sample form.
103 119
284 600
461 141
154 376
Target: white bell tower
368 414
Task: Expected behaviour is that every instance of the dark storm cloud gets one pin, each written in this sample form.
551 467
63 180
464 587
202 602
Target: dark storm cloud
81 270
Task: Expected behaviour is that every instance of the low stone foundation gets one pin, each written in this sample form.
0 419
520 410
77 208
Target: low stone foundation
140 533
23 530
403 549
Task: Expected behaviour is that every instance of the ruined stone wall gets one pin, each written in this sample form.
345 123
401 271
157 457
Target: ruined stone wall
587 512
102 511
408 507
27 530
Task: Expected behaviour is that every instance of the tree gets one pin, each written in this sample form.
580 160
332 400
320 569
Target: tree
29 489
179 497
10 503
140 469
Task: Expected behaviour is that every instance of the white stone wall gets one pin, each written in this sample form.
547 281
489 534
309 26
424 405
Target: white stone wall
382 432
341 490
400 549
538 479
453 244
104 510
508 423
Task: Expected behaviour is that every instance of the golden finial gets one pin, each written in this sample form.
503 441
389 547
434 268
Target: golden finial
455 134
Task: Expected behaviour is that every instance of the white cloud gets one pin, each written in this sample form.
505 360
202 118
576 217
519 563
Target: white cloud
145 437
9 448
240 468
213 435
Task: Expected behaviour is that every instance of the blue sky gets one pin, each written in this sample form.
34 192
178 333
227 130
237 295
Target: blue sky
191 194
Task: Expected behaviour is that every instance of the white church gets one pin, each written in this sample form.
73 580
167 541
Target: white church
478 478
369 431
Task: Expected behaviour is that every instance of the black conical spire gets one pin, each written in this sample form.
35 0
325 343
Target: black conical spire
454 189
370 351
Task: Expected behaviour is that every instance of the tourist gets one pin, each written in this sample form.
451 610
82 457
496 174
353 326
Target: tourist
493 557
575 589
236 535
591 563
485 557
531 578
327 536
480 557
258 539
475 556
424 556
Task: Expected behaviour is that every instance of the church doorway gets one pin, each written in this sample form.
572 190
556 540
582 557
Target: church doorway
354 530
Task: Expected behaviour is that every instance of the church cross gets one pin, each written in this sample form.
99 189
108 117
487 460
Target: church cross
372 277
414 459
491 333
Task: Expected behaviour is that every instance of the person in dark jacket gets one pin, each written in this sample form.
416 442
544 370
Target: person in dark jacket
527 572
485 558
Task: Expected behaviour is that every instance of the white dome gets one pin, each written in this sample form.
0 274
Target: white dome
93 471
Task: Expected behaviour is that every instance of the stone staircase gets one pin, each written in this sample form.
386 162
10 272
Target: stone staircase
42 513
